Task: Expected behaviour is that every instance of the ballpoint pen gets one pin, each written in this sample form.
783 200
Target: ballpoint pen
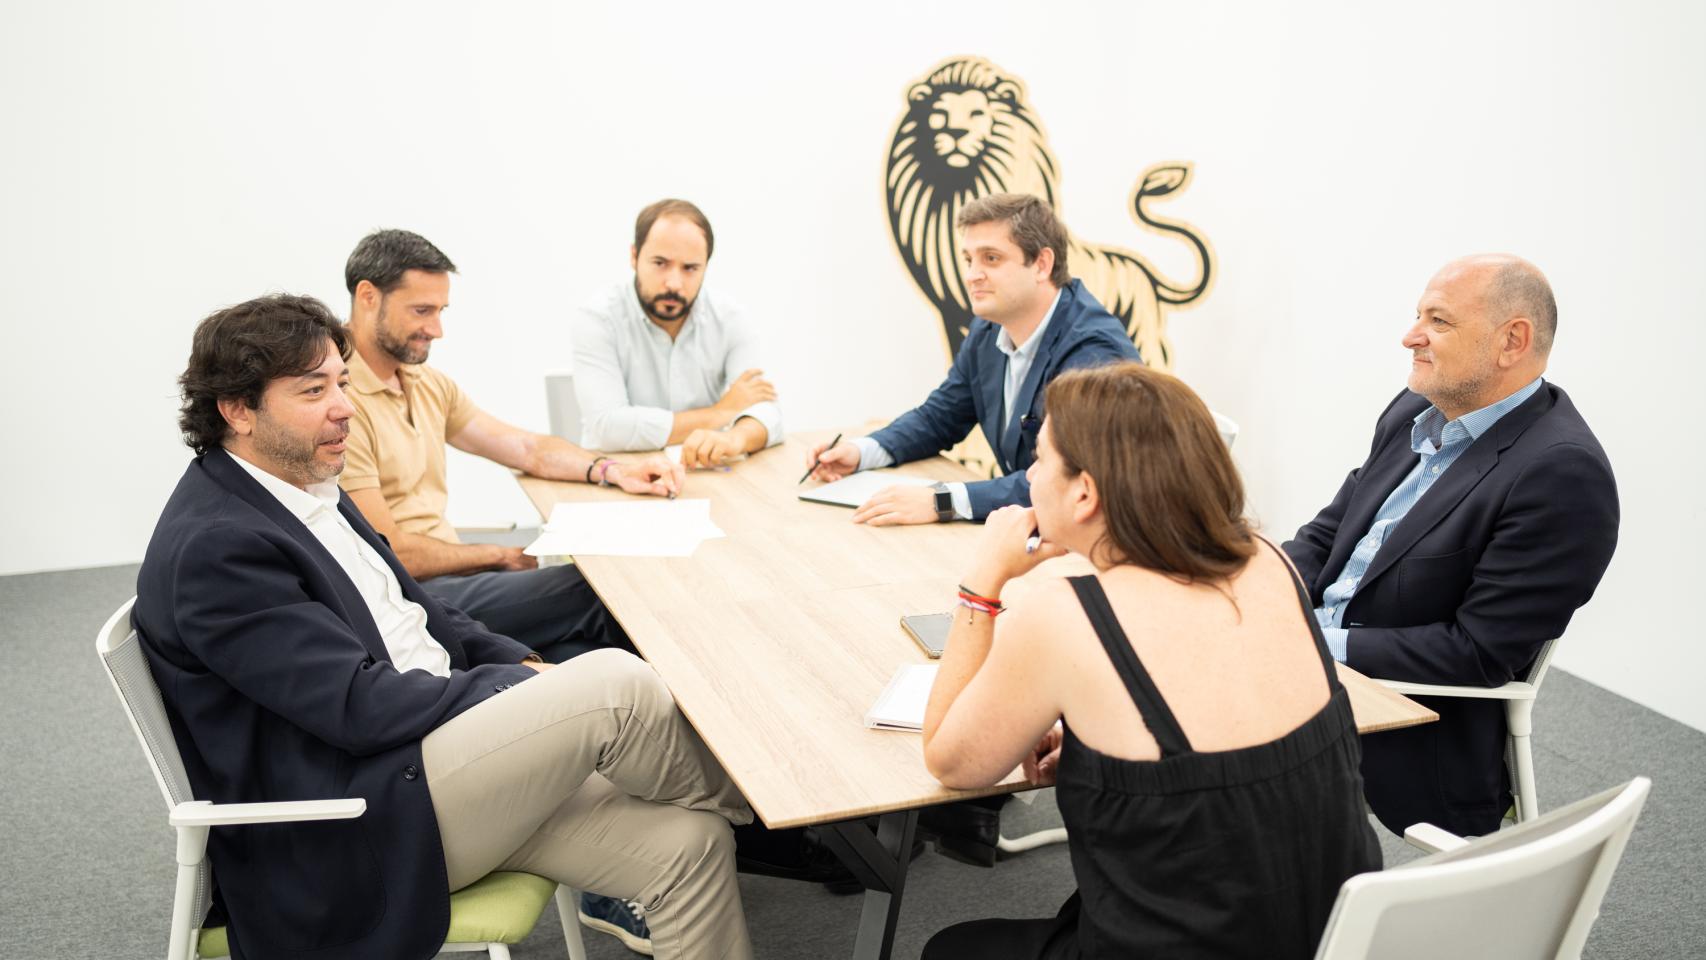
818 459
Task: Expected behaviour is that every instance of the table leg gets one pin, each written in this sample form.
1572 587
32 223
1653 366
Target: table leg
879 861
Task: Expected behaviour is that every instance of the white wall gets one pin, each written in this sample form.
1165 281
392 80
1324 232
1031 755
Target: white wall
160 161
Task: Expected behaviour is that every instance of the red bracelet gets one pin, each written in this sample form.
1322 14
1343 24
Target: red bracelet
968 594
984 608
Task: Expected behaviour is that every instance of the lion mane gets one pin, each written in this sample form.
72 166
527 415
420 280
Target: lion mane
967 132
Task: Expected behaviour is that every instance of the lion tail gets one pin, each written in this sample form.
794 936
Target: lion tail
1161 180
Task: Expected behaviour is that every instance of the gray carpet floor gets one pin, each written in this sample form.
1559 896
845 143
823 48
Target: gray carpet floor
88 856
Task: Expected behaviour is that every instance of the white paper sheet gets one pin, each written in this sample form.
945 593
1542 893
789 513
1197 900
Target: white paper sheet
632 528
901 704
853 491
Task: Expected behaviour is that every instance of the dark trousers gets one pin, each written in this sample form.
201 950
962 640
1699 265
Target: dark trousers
551 609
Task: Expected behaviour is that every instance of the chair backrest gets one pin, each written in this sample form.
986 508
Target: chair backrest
562 408
1537 672
127 667
1227 426
1532 890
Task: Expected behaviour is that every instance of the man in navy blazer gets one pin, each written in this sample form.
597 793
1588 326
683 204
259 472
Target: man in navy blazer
298 660
1485 514
1033 323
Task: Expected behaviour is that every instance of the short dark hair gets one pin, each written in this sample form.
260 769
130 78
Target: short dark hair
672 208
1030 221
1171 496
237 351
383 256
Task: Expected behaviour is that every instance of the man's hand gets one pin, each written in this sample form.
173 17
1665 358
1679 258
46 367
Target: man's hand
896 505
709 448
511 558
651 475
1043 761
749 388
832 463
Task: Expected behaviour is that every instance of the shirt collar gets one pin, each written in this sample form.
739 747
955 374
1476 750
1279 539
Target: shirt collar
302 504
1004 342
364 381
1431 425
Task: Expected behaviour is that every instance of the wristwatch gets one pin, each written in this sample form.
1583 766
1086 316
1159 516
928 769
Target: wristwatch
944 503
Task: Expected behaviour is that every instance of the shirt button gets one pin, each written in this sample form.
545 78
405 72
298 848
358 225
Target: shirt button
1435 470
410 772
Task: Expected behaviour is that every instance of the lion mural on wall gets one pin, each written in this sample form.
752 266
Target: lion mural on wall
968 131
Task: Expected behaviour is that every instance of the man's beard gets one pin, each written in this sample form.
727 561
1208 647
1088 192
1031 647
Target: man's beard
294 455
409 350
654 305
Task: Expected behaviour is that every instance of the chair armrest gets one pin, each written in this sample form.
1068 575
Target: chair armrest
1428 837
200 813
1515 690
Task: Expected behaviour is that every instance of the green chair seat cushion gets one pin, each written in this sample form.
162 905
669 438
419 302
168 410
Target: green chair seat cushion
501 908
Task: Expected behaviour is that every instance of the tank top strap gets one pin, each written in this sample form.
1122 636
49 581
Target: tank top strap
1309 617
1156 715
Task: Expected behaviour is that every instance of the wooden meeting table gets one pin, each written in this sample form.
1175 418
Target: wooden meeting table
777 638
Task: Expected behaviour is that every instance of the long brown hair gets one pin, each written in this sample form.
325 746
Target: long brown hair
1171 497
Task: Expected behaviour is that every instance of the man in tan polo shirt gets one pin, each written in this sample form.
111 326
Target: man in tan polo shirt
406 411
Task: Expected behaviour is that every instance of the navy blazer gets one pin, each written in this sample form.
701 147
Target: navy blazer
1487 566
278 687
1079 334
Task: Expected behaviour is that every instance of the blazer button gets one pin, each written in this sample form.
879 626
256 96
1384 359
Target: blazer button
410 772
500 688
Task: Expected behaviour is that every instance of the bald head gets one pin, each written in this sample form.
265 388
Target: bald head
1512 287
1483 328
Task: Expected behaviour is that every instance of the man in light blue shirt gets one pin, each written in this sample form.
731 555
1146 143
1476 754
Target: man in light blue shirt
659 360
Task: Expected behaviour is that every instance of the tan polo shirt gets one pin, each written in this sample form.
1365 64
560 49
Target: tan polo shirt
396 442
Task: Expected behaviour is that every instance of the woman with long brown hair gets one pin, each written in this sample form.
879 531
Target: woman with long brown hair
1205 752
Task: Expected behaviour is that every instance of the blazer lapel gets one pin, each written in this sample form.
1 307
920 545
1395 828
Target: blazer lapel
412 590
1453 485
1027 394
993 365
354 609
1380 476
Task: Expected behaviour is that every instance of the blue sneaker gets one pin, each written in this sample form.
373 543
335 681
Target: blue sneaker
623 919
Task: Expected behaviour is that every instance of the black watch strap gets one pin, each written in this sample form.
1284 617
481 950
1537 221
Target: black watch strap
944 503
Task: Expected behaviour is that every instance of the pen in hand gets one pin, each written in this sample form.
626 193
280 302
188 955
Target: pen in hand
1033 541
819 459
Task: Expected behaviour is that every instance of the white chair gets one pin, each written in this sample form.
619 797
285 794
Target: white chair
562 408
502 907
1519 696
1227 426
1531 891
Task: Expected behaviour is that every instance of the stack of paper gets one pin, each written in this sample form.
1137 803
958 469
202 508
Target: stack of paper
629 528
901 704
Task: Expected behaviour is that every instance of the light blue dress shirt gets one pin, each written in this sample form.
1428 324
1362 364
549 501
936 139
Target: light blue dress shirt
1438 443
1019 358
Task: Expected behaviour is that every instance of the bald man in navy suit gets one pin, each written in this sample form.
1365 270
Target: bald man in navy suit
1484 516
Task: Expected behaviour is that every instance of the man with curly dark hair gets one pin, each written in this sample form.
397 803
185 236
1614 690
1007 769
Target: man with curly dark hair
298 659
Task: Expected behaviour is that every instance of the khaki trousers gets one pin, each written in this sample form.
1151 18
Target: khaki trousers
588 775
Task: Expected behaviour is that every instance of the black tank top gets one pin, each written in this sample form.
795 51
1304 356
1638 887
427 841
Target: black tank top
1238 853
